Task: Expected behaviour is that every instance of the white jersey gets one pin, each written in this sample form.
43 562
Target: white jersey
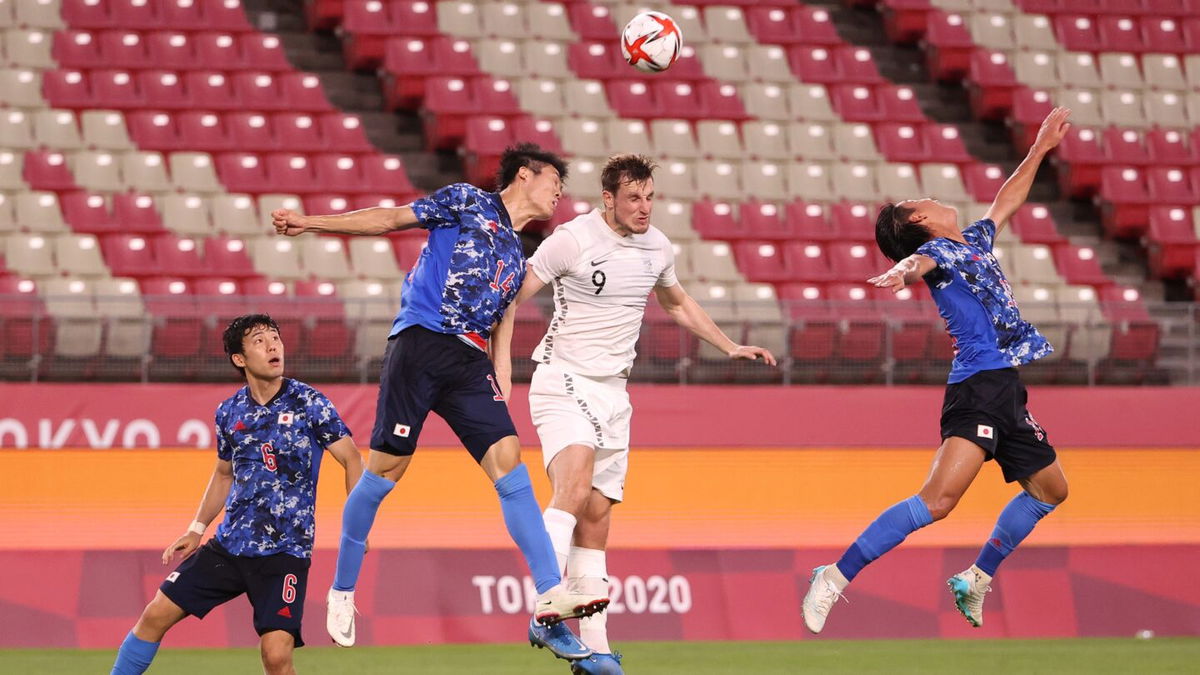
601 281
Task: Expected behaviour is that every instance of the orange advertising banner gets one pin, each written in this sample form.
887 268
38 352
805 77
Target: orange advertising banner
675 498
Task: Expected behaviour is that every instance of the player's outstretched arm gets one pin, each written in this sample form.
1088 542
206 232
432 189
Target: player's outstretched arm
210 505
688 313
1016 189
500 347
376 220
904 273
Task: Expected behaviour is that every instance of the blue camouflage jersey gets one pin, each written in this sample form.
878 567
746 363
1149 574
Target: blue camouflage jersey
276 452
976 301
470 269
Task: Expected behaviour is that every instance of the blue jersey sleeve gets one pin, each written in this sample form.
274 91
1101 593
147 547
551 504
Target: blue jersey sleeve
224 449
441 208
942 252
981 234
327 425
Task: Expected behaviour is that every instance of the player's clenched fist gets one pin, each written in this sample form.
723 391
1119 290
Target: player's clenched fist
287 222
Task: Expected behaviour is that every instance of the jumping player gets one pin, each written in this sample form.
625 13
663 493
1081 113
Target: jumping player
603 265
984 415
437 359
271 435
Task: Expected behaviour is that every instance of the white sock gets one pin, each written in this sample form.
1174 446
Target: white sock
589 574
560 525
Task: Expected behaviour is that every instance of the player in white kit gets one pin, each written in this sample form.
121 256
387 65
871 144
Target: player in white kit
602 266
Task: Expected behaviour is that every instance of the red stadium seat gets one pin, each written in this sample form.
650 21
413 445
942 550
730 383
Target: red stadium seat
1081 34
1125 202
945 144
632 98
1034 225
854 222
1172 242
991 84
115 89
763 220
130 255
486 139
205 132
251 132
75 49
900 104
1125 146
298 132
88 213
1030 107
133 212
857 103
46 170
596 61
385 174
211 90
157 131
1079 265
495 96
1080 158
242 172
87 14
122 49
810 221
591 21
344 132
339 173
163 90
448 103
774 25
1163 34
177 324
983 181
227 15
537 131
862 329
809 262
949 46
717 220
264 52
302 92
228 257
1135 334
66 89
184 15
761 261
26 328
677 100
856 262
179 255
170 49
857 65
135 14
901 142
259 91
291 173
905 21
720 100
1171 146
220 52
814 327
910 323
815 64
815 25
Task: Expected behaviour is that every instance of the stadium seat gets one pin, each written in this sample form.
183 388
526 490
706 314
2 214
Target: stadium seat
30 255
179 256
211 90
242 172
1034 225
810 221
38 212
1172 242
75 49
812 141
135 212
857 103
991 81
948 54
853 142
228 257
1125 200
185 214
1079 265
808 262
901 142
1034 32
717 220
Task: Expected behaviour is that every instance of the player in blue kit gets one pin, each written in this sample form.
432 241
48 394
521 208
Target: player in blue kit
983 415
271 436
437 359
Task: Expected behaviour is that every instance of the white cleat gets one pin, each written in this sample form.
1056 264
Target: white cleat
969 588
339 620
560 603
827 584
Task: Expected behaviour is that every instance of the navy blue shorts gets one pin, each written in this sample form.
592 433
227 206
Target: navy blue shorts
988 409
423 371
213 576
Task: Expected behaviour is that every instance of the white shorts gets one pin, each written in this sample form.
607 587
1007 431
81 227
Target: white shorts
571 409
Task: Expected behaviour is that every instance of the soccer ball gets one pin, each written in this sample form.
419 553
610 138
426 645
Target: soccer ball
651 42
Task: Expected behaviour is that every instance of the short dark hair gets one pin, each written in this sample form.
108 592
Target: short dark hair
530 155
897 237
620 169
237 330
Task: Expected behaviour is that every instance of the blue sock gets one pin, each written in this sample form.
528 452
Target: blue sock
134 656
885 534
357 518
524 521
1015 523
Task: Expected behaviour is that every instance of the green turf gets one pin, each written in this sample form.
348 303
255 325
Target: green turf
960 657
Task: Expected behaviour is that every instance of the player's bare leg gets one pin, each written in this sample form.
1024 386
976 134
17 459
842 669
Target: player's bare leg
157 618
954 468
589 572
276 648
382 472
1043 491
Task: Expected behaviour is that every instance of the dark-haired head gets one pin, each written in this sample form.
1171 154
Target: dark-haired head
537 173
897 234
254 339
628 185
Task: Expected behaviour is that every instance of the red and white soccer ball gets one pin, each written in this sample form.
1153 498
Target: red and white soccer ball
651 42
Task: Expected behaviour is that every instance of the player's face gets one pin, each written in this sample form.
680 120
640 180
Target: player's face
544 188
631 206
262 353
931 212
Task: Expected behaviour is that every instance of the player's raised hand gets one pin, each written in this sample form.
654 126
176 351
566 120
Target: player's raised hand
893 279
1054 127
287 222
752 353
183 547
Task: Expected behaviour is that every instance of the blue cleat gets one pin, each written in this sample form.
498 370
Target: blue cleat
598 664
558 639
